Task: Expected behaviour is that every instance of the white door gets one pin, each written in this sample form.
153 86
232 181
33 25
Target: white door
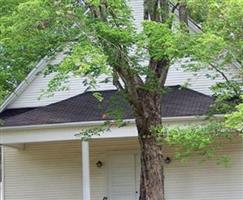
122 177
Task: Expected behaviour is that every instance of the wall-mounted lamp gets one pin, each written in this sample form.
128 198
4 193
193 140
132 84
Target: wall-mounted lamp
99 164
167 160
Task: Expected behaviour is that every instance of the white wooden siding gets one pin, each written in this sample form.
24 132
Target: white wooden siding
176 76
43 171
207 181
137 10
52 171
31 96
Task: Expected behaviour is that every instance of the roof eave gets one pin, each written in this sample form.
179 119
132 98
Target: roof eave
97 123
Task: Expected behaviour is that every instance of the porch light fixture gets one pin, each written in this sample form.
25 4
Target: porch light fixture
99 164
167 160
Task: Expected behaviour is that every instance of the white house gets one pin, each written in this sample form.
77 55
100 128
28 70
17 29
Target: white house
43 158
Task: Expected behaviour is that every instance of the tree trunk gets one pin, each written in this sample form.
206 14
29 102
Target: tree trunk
152 171
152 177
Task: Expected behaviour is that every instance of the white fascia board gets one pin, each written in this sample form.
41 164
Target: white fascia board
41 65
70 131
61 134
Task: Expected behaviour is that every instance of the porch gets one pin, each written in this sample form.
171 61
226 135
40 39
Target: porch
108 168
56 170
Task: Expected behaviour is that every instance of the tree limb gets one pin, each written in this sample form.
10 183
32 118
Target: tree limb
224 76
175 7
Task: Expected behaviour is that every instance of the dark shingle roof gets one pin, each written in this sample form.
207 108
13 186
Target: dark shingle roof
85 107
13 112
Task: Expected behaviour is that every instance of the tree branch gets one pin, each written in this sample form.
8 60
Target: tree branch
224 76
183 14
175 7
116 81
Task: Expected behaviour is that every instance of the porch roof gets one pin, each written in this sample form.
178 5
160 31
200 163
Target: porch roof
176 102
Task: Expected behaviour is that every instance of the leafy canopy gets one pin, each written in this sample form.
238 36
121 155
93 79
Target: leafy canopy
33 29
102 39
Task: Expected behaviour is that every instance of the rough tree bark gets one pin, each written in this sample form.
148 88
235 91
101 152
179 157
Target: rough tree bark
152 171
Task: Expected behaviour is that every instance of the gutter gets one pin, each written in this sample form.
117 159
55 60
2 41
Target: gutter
98 123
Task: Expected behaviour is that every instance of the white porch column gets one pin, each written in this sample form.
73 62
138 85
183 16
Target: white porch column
85 169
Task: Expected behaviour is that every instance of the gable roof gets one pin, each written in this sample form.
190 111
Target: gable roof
85 107
44 62
40 66
23 85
